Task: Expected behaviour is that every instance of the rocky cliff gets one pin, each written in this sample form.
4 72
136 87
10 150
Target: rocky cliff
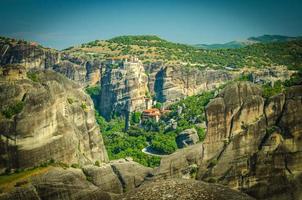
252 144
27 54
45 116
172 83
123 88
85 71
107 181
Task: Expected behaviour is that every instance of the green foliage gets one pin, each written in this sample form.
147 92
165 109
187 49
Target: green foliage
192 110
33 76
151 125
135 131
13 109
89 178
158 105
135 117
269 91
296 79
83 106
70 100
97 163
286 53
75 165
101 121
245 77
201 133
93 91
121 145
164 143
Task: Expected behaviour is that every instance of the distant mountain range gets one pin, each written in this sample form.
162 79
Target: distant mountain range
251 40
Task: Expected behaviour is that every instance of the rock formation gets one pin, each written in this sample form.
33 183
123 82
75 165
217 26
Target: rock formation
124 88
86 72
187 137
184 189
108 181
31 55
252 144
172 83
45 116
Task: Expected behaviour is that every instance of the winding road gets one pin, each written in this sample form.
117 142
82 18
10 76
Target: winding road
148 150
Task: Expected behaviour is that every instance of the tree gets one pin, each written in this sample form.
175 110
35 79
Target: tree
135 117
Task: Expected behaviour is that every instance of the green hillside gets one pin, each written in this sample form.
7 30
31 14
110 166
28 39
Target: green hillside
154 49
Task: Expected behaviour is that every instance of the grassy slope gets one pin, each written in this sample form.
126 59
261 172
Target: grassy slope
154 49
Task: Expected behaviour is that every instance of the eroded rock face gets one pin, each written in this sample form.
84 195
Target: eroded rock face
183 163
29 55
187 137
118 176
172 83
130 174
255 147
55 120
108 181
85 72
250 145
58 184
123 89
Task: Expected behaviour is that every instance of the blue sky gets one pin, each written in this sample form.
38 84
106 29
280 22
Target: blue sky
59 23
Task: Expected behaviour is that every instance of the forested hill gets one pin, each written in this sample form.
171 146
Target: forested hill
154 49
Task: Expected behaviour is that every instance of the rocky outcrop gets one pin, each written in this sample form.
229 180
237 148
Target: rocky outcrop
47 117
108 181
183 163
172 83
187 137
118 176
124 88
184 189
254 146
85 71
57 184
29 55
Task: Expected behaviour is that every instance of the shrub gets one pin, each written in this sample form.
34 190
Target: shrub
75 165
13 109
201 133
83 106
135 117
32 76
158 105
164 143
97 163
269 91
70 100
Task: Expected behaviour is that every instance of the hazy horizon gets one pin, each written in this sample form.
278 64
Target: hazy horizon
60 24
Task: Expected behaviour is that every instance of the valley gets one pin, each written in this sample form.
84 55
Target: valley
75 123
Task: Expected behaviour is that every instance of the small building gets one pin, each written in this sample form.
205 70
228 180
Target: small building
152 113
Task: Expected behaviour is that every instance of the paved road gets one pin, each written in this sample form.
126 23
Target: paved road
148 150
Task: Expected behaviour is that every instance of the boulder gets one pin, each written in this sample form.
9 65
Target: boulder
130 173
187 137
184 189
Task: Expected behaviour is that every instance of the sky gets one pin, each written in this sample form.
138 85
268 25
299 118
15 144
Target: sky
63 23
